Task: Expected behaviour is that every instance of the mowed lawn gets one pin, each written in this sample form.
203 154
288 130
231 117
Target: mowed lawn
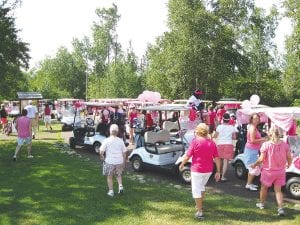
58 187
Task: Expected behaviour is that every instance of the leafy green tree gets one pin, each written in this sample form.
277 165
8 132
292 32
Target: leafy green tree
292 57
61 76
198 52
114 73
13 54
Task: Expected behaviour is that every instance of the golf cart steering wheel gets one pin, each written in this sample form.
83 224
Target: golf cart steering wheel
89 121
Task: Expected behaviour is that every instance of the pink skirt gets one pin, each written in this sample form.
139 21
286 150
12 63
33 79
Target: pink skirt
225 151
3 120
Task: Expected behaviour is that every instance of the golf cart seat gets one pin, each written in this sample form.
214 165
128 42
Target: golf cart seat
159 142
81 132
172 127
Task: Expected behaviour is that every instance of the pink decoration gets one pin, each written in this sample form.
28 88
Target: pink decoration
193 114
297 163
149 96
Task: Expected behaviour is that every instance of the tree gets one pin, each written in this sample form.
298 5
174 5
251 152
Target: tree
61 76
292 57
198 52
13 54
114 73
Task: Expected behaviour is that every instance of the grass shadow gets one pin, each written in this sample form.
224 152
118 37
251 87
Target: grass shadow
57 188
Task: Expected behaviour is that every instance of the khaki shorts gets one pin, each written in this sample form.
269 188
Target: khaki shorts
110 169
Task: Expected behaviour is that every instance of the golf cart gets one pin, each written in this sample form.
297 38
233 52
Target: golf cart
70 118
164 148
92 135
283 117
86 136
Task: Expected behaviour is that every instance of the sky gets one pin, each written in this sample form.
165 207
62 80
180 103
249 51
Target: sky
49 24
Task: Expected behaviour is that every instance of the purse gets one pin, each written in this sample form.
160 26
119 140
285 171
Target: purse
256 171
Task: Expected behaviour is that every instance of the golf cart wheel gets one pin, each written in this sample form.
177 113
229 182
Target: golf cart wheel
293 187
72 142
137 163
240 170
63 127
96 146
185 175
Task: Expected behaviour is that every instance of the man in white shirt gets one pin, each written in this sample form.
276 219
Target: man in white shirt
32 114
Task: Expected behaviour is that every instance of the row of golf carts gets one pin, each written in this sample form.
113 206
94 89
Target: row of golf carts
166 146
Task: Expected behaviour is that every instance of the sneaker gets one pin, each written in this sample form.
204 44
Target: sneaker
281 212
251 187
30 156
224 179
199 215
110 193
14 158
121 190
260 205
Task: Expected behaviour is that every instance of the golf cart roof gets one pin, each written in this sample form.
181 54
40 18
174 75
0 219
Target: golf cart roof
101 104
69 99
225 102
178 101
167 107
281 116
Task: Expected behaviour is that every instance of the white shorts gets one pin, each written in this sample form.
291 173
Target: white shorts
24 141
199 181
47 119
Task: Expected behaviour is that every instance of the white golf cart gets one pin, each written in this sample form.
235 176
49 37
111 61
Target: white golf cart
70 119
86 136
165 148
282 117
90 136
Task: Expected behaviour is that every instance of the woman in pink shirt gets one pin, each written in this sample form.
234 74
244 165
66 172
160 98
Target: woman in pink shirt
254 141
275 157
203 151
23 126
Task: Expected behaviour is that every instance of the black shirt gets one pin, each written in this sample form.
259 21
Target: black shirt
3 113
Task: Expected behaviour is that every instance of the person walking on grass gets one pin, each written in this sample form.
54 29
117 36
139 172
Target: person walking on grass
23 127
32 114
47 117
225 134
3 117
203 152
275 157
113 152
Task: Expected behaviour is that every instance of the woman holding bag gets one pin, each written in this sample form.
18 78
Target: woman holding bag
275 157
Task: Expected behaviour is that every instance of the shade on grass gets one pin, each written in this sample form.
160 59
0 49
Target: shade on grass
57 188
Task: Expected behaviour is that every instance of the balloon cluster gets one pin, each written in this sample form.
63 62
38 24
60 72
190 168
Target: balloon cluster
149 96
254 100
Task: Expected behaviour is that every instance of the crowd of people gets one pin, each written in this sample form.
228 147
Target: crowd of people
213 143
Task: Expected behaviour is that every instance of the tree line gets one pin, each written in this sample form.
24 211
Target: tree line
224 47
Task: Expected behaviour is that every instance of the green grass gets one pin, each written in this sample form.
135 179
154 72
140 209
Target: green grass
57 188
